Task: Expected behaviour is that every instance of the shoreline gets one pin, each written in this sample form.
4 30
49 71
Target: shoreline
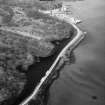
70 46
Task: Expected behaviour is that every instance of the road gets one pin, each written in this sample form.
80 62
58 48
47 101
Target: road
71 45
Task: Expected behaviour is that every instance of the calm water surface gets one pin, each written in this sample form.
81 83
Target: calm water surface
83 83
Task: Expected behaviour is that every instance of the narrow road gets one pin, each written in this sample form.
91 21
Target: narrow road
21 32
76 40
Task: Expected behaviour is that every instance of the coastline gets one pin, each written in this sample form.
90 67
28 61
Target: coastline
82 80
70 46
